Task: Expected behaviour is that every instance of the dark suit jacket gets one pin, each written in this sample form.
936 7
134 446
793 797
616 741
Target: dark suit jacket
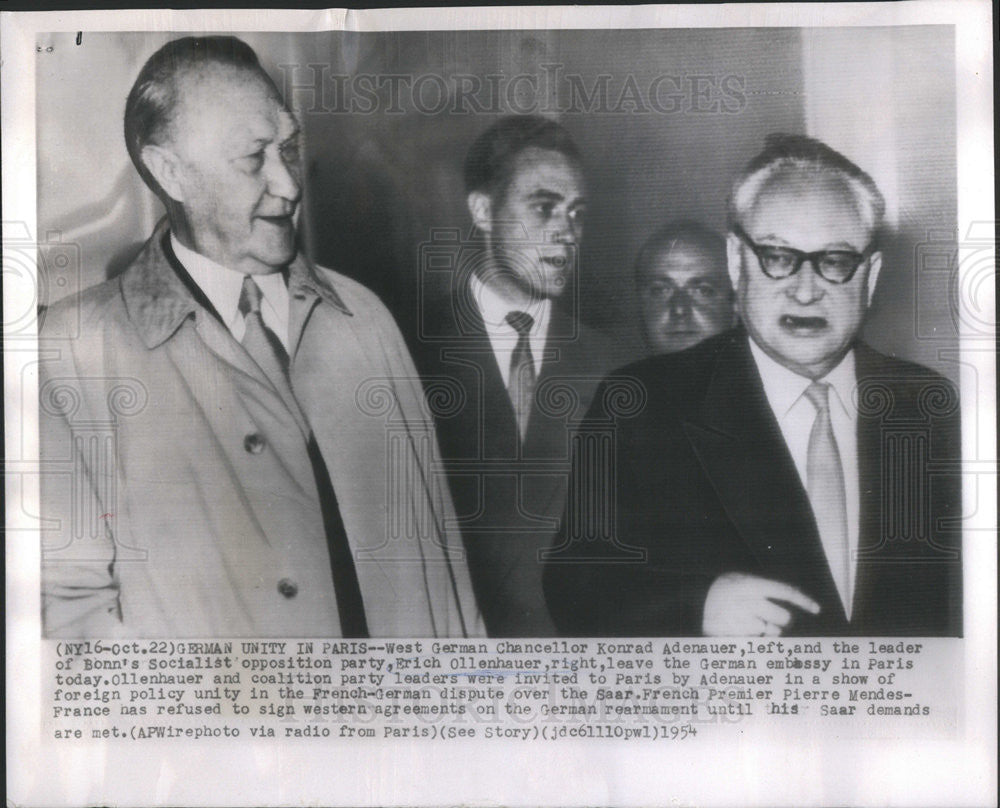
704 484
509 498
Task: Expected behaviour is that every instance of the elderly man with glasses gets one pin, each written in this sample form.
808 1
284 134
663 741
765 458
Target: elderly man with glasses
783 478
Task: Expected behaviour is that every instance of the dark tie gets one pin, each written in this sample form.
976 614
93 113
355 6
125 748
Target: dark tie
267 351
827 493
521 383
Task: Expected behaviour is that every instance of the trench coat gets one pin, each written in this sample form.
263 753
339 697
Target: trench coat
178 496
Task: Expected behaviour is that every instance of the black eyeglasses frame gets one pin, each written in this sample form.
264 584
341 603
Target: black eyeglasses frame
814 258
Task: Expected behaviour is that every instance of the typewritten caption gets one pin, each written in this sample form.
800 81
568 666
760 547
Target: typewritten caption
520 690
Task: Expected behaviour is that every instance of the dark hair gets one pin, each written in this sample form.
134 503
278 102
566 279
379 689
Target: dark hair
490 160
151 102
802 153
684 231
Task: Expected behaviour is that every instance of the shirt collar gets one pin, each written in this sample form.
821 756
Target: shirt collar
494 310
221 285
784 387
158 301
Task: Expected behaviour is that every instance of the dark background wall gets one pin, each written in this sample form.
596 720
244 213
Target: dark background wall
664 118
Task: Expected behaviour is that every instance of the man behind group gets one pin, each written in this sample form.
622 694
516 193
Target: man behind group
516 357
684 291
781 478
242 477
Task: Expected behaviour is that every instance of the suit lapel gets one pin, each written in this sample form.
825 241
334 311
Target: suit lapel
542 439
869 435
548 436
741 448
497 419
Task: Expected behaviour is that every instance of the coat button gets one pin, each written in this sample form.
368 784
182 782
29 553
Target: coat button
254 443
288 587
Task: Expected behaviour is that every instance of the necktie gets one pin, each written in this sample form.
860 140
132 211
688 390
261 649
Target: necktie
267 351
521 382
260 341
825 474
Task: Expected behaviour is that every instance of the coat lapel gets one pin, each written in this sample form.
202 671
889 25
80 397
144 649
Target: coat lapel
741 448
159 302
305 289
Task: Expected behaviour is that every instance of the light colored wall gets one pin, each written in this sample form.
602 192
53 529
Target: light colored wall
886 99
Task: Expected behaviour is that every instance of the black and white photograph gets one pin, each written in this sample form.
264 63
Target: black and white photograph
640 366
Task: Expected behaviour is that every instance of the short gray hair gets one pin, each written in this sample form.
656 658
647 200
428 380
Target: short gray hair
153 99
799 153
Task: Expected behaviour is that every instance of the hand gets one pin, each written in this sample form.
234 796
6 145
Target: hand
744 605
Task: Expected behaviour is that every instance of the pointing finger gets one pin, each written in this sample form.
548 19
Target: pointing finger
776 590
773 613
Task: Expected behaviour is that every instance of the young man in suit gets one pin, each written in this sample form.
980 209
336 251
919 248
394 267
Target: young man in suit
521 367
783 478
226 477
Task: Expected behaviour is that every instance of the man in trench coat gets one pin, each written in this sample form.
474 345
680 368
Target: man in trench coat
234 441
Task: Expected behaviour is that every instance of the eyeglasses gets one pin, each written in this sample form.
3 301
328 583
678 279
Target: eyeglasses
778 263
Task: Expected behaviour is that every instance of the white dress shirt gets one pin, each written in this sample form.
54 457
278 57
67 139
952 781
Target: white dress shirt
223 286
785 392
503 337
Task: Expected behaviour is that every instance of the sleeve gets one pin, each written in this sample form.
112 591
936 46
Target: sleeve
604 576
453 604
79 590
